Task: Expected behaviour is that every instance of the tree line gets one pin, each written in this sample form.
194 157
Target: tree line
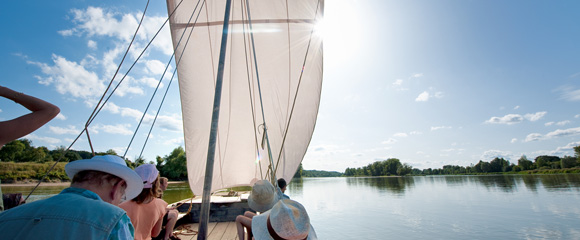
544 163
389 167
19 160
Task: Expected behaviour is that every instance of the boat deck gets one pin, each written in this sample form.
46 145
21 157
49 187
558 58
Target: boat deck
216 231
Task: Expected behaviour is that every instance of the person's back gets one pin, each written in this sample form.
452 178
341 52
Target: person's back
146 211
73 214
144 216
86 210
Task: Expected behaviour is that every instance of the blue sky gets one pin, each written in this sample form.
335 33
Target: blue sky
430 82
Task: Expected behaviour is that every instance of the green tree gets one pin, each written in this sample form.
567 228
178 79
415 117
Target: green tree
404 169
174 165
524 163
392 164
298 173
568 162
12 151
577 153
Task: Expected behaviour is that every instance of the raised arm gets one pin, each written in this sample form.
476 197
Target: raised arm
42 112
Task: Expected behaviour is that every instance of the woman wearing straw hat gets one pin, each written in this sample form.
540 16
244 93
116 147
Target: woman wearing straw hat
85 210
287 220
261 199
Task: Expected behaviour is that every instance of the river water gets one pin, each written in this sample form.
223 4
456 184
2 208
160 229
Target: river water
430 207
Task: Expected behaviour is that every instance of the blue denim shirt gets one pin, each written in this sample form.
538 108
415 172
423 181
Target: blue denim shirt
72 214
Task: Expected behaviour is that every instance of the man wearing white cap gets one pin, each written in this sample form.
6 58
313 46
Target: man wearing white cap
85 210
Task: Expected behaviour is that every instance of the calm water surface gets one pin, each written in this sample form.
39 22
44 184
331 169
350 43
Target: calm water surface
431 207
443 207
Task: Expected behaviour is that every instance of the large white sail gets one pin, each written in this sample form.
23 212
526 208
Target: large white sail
288 58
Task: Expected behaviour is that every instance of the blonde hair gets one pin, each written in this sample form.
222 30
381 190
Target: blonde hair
149 193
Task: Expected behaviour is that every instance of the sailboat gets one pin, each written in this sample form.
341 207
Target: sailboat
250 78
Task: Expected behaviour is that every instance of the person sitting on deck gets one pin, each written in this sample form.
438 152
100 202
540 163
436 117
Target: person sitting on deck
85 210
12 200
13 129
170 217
147 210
287 219
261 199
282 186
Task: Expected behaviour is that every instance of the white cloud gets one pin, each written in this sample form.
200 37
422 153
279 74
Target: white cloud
417 75
389 141
514 140
491 154
95 21
415 133
553 134
562 123
61 116
155 67
128 87
423 97
549 123
439 94
48 140
440 127
577 116
170 123
68 130
516 107
400 135
564 132
174 141
533 137
92 44
70 78
398 82
568 147
151 82
535 116
510 119
0 110
570 94
507 119
122 129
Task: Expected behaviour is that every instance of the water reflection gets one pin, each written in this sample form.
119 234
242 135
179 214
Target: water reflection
394 185
503 183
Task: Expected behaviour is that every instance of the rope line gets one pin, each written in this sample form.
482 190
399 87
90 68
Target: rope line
297 90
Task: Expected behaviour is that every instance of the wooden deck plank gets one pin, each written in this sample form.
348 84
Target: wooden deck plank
217 231
231 232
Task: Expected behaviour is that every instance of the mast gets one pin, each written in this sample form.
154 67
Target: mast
205 202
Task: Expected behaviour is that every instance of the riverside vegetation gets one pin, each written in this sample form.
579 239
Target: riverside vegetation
541 164
20 161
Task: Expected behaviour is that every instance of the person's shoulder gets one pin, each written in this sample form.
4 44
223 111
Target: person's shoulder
159 201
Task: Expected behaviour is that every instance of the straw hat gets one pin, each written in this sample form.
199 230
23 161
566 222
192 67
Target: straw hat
148 173
110 164
286 220
263 196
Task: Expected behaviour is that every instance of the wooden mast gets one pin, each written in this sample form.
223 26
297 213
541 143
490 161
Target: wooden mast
205 203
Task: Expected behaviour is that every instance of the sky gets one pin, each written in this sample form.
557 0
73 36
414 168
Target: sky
430 82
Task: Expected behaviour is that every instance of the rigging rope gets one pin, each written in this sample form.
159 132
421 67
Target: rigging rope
297 88
250 94
175 70
94 113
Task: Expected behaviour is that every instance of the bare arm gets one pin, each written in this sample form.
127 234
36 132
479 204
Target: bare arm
42 112
157 228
